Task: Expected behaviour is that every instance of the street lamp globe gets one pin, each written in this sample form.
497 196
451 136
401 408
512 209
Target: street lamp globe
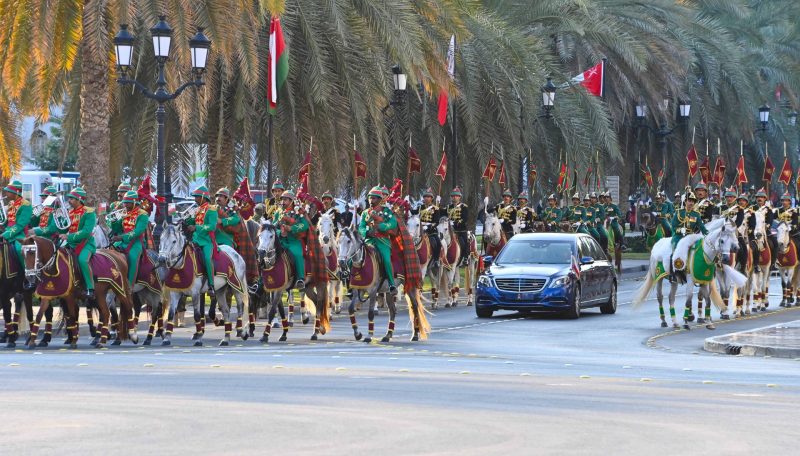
123 48
684 107
548 94
399 78
641 111
793 118
199 46
763 115
162 38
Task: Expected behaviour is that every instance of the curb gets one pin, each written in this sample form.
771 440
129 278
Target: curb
631 269
727 345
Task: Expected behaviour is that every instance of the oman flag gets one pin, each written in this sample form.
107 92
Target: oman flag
278 63
593 79
451 70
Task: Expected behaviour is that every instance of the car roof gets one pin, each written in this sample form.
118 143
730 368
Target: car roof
548 236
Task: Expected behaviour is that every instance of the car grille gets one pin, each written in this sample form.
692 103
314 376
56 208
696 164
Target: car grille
520 285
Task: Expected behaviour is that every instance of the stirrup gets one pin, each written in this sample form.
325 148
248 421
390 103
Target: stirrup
300 284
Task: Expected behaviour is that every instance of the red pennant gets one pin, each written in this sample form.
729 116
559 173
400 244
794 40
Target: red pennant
719 171
786 172
305 168
491 167
705 171
442 170
741 176
769 170
502 178
414 163
691 159
361 166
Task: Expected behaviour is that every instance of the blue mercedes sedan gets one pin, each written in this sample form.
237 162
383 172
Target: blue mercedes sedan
548 272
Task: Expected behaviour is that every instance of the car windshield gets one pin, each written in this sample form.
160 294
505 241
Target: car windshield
536 251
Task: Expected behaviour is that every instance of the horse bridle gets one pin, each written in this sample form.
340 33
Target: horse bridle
180 255
38 267
270 256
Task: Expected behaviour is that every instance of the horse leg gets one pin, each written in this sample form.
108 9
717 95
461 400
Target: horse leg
290 303
224 307
6 316
174 300
700 318
392 303
154 316
48 327
371 318
351 310
44 307
72 321
660 299
707 298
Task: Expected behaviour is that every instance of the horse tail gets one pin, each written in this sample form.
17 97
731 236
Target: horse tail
416 314
715 297
796 276
643 291
324 314
733 277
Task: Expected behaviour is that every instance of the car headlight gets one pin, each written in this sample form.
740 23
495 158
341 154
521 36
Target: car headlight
560 282
485 281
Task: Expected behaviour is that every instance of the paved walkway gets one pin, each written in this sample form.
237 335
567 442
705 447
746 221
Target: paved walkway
781 341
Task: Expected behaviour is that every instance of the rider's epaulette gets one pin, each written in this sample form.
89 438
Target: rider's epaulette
143 212
25 202
212 207
88 210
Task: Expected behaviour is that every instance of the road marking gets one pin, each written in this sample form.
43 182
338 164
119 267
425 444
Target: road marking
747 395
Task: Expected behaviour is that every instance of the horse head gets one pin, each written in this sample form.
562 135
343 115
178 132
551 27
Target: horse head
444 229
267 243
760 231
171 244
414 227
39 254
784 237
492 229
350 243
721 240
326 228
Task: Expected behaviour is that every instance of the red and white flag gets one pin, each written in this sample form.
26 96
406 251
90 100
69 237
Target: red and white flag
691 159
786 172
741 176
441 171
593 79
575 267
769 170
451 70
502 179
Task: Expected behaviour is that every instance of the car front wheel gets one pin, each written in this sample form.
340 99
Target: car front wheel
610 307
575 310
483 312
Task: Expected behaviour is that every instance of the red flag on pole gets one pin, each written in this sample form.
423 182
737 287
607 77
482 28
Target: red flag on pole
786 172
491 167
245 199
361 166
648 176
502 178
691 159
305 168
441 171
562 175
705 171
592 79
741 177
769 169
719 171
414 163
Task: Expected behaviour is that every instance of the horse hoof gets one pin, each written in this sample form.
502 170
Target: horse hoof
147 341
676 326
358 336
663 324
469 303
160 333
198 343
367 340
73 346
691 318
251 333
337 312
31 345
386 339
686 327
264 339
710 326
282 338
454 304
245 336
94 342
306 320
239 333
116 342
43 344
100 346
725 317
134 338
313 337
223 343
701 321
166 343
415 338
195 336
447 306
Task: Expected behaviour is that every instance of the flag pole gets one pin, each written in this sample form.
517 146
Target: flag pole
785 186
487 183
441 178
741 155
355 172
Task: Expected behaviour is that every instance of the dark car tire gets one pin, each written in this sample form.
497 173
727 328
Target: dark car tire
610 307
483 312
574 312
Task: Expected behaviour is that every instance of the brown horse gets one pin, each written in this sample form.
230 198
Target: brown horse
54 271
12 285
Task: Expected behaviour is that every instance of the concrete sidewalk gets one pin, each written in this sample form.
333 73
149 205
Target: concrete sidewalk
781 341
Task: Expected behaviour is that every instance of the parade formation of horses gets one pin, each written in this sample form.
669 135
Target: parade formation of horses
53 271
13 285
185 277
706 254
278 276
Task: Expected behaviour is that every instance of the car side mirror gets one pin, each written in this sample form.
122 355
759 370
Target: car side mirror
587 260
487 261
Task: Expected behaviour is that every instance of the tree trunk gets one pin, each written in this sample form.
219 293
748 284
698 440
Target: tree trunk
94 139
221 156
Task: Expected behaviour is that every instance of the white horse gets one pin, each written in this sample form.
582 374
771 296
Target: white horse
787 262
431 269
173 251
762 264
701 265
494 239
326 226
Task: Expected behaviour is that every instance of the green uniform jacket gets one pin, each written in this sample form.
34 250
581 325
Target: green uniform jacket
600 213
202 232
86 225
299 226
16 232
223 237
589 216
691 221
50 230
389 223
552 215
576 213
136 234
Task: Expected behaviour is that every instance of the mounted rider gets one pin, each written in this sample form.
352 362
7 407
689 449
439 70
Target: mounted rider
377 225
226 217
575 212
134 229
769 216
429 214
507 214
79 235
704 206
600 219
741 213
729 203
525 214
589 218
203 227
787 213
43 219
18 216
615 215
686 221
327 206
664 211
292 225
274 203
122 189
552 213
458 212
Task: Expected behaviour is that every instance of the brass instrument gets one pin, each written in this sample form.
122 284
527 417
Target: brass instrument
115 216
60 214
3 212
190 211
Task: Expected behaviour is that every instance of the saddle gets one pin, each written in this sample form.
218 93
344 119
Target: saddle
365 276
148 275
11 261
181 277
453 254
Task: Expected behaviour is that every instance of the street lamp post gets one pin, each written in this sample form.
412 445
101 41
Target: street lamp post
662 131
199 46
399 84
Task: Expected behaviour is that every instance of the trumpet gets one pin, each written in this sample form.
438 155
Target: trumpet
60 214
190 211
115 216
3 212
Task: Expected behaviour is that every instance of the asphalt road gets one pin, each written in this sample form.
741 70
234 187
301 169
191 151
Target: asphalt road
509 385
